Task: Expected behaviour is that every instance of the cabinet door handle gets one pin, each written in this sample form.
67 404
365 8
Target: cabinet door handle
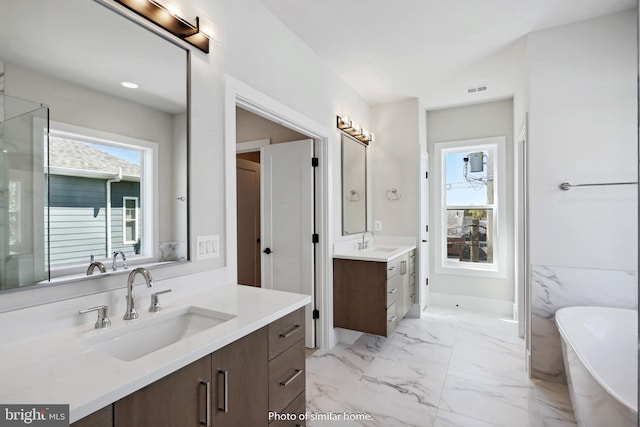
392 290
207 388
403 267
295 329
393 318
224 407
293 377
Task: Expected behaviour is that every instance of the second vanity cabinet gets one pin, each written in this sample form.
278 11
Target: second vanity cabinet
236 385
372 296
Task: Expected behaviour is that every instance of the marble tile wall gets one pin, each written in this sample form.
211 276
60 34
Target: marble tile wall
555 287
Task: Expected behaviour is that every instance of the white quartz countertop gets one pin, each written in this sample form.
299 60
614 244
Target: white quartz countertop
58 369
378 253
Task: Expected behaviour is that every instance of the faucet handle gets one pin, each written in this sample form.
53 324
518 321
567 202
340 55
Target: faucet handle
155 303
103 320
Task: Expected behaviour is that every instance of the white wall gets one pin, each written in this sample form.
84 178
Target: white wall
395 163
582 129
583 111
462 123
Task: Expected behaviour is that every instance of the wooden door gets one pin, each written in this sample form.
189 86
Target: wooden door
248 216
240 395
178 399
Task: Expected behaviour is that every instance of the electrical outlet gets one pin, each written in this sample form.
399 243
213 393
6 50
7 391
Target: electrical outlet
208 247
377 225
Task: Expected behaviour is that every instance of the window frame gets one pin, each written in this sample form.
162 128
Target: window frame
148 189
443 265
136 220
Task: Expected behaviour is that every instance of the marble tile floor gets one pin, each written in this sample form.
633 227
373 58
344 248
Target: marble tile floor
448 369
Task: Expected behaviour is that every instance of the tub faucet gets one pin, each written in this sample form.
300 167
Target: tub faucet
365 244
96 264
131 313
114 265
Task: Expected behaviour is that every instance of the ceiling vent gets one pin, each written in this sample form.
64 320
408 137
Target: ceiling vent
478 89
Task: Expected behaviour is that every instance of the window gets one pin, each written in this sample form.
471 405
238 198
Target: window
471 189
130 217
100 196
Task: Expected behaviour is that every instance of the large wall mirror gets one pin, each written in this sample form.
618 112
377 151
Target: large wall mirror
101 168
354 186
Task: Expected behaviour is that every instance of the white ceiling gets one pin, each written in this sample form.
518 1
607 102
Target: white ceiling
85 43
431 49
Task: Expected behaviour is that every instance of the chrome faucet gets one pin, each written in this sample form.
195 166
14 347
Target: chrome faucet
365 244
114 266
96 264
131 304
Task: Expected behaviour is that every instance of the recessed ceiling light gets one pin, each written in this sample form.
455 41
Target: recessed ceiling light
129 85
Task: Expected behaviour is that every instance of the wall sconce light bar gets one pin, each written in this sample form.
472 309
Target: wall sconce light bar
353 128
176 25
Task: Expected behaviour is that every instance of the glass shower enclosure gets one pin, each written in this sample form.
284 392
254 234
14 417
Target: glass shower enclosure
24 133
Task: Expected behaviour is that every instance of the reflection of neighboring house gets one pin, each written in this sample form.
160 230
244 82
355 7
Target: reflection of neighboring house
81 179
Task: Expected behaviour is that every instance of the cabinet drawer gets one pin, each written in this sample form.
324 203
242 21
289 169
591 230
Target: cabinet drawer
284 332
392 318
393 267
286 377
298 407
394 287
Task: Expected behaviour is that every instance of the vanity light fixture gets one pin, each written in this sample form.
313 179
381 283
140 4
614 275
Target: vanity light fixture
166 15
353 128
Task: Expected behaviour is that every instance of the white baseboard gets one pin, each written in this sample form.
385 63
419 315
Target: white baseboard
471 303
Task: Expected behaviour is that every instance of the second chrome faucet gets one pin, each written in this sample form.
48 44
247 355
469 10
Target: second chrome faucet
131 312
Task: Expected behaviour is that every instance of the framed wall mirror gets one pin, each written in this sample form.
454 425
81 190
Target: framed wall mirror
354 186
93 143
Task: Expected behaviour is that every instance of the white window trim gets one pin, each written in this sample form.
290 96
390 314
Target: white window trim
136 220
499 268
148 188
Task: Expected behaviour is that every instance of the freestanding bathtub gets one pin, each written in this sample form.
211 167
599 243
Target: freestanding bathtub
600 351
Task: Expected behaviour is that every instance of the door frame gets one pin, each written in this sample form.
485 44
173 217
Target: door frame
239 94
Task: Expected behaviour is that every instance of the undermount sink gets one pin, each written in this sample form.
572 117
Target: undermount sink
384 249
145 336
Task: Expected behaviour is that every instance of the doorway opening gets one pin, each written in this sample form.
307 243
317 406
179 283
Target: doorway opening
275 208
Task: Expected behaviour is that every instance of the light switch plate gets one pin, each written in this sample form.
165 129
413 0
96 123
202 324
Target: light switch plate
377 226
208 247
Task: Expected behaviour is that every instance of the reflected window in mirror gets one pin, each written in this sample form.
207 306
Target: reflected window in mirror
354 186
81 85
100 192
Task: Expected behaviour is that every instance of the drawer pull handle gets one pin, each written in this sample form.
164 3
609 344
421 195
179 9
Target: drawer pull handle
207 387
391 268
224 407
293 377
413 296
295 329
392 291
393 318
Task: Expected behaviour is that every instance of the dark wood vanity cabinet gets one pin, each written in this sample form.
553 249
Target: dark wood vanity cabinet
236 385
361 296
240 391
100 418
373 296
287 368
177 399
